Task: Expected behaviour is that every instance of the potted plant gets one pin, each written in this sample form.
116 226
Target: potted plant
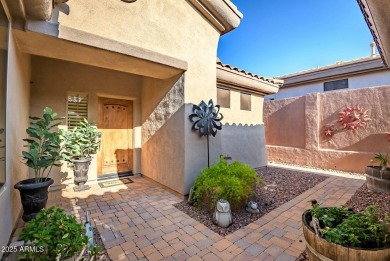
44 153
53 235
378 177
339 234
79 144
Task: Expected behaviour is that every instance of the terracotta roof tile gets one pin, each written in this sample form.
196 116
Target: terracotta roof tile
252 75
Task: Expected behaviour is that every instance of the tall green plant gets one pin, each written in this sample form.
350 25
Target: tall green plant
44 144
82 141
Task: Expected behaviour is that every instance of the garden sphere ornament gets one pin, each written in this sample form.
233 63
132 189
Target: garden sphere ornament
252 207
222 215
207 120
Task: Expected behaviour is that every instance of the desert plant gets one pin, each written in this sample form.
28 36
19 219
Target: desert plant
54 234
44 144
81 142
233 182
347 228
382 159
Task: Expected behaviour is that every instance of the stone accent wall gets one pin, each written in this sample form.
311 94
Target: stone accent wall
172 101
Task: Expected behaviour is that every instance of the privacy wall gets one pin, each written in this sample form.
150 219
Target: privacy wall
337 130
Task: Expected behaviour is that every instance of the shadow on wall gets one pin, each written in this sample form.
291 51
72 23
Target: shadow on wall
373 143
285 123
355 162
245 143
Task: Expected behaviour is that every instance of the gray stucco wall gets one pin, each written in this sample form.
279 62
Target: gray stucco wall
245 143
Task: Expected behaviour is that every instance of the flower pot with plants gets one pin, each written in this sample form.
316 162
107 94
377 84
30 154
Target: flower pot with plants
80 144
339 234
378 177
44 152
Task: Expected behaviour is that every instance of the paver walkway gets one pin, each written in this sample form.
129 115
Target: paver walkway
138 221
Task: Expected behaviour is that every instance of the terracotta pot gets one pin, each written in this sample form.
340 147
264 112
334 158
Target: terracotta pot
33 195
378 179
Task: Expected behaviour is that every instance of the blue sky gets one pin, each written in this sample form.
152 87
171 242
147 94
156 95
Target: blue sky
283 36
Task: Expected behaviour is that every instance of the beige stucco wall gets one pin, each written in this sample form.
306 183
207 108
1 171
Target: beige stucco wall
17 121
53 79
159 26
345 150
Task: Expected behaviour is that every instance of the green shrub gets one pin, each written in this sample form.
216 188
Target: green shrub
233 182
53 236
351 229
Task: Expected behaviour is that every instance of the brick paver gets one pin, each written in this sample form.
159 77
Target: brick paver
137 221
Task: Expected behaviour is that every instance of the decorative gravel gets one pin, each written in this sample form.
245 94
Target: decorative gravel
362 199
280 186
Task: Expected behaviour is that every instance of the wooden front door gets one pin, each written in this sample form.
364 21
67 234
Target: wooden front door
115 121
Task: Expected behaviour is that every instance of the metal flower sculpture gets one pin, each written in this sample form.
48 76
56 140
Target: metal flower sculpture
207 120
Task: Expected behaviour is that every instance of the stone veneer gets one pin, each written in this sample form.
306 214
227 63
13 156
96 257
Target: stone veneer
171 102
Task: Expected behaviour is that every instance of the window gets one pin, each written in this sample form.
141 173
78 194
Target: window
77 109
245 101
4 30
336 85
223 97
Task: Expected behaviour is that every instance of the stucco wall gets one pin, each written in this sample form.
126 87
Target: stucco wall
17 121
163 154
370 79
345 150
242 137
53 79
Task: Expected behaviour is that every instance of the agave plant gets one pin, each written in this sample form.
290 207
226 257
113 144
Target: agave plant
207 120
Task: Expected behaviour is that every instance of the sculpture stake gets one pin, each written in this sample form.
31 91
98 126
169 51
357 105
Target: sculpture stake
207 120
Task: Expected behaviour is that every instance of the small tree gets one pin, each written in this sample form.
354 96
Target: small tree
207 120
44 144
81 142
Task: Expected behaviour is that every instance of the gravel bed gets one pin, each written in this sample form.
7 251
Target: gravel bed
362 199
280 186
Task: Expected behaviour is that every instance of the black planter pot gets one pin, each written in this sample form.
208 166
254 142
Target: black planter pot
33 196
80 170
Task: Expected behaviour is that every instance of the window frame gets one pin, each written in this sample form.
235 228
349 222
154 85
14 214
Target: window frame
230 97
250 101
333 84
76 94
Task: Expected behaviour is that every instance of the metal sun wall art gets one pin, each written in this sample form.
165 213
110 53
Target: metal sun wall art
353 118
350 118
207 121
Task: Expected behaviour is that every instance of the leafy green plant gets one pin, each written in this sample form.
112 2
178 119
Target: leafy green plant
233 182
44 144
57 236
351 229
94 251
382 159
81 142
